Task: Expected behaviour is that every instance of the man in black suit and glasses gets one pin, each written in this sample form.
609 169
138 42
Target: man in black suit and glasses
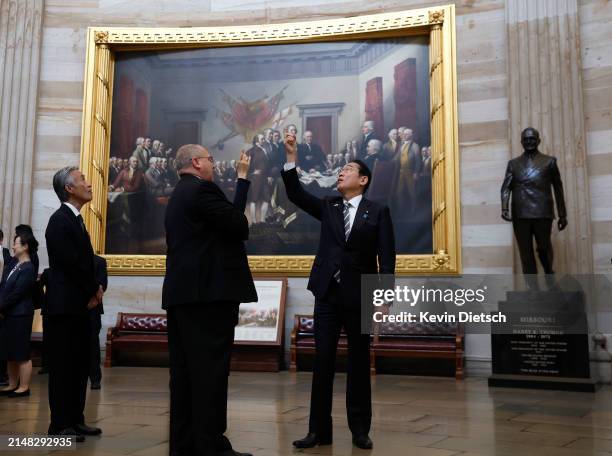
72 289
356 238
207 277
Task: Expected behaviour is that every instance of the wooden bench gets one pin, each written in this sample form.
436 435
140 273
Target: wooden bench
139 332
391 340
136 332
421 340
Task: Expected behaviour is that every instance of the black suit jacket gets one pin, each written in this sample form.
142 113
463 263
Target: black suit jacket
6 255
312 157
71 281
277 158
206 259
529 180
101 274
363 147
370 248
16 291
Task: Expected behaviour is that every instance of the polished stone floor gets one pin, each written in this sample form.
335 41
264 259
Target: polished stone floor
428 416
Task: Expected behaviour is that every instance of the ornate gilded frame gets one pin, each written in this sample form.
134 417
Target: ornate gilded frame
437 22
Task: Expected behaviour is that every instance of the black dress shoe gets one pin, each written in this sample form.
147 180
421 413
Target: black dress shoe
95 385
87 430
363 441
70 432
43 370
7 392
312 440
25 393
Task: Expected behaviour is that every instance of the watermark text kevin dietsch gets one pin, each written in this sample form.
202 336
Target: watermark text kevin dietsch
404 295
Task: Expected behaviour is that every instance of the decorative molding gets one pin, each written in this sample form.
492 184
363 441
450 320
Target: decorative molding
436 17
441 261
329 28
101 36
297 266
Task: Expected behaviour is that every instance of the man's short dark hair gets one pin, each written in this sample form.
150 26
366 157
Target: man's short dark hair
364 171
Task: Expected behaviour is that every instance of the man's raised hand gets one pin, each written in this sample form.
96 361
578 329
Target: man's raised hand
242 167
290 147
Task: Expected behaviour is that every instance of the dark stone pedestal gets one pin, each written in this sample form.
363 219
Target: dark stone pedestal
544 344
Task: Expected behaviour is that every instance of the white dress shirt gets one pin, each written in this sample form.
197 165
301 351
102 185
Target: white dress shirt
353 201
74 210
354 204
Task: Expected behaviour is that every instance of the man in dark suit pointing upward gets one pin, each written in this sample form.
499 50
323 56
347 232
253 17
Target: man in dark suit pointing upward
207 277
356 238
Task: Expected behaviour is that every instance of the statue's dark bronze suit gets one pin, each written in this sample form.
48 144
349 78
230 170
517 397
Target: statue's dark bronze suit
530 179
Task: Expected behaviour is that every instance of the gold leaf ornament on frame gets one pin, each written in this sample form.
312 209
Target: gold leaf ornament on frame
440 260
436 17
101 36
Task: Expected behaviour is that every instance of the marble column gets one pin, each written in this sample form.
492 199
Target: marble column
20 43
545 92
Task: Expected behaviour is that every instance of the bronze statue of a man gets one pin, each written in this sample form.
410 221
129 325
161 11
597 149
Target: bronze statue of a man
529 179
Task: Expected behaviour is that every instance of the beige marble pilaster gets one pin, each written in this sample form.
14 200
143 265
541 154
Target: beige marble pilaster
545 91
20 43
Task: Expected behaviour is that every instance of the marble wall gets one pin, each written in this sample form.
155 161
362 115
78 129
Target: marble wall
483 117
596 50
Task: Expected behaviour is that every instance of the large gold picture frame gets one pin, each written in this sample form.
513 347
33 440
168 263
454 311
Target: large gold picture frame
437 22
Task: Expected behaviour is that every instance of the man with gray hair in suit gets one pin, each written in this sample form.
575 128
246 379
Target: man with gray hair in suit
72 290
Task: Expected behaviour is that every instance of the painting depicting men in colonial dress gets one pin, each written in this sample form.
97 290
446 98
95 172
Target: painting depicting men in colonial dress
345 100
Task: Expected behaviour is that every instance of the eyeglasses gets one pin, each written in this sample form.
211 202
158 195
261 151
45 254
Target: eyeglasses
209 158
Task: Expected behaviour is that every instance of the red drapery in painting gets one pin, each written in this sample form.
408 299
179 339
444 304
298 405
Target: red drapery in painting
141 118
405 94
125 140
374 105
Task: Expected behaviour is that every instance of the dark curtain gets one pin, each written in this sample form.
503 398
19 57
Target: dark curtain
405 94
374 105
125 139
141 118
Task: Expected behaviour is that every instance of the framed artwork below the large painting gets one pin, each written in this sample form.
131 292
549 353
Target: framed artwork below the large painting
380 88
261 322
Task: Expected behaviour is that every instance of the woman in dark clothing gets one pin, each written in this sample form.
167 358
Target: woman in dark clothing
17 310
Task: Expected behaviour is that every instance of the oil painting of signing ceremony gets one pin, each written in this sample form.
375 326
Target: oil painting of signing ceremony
366 100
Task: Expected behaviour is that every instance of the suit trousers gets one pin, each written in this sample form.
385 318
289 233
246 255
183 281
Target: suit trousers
95 324
524 231
3 366
200 339
67 350
330 314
